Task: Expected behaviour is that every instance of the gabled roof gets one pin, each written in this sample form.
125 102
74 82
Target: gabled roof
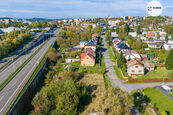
83 55
90 51
148 64
122 45
90 44
133 62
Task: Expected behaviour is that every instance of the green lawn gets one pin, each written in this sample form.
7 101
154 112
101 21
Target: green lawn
158 73
117 71
159 99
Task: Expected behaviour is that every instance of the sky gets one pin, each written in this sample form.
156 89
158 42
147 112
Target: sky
54 9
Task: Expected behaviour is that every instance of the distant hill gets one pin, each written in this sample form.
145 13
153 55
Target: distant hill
31 19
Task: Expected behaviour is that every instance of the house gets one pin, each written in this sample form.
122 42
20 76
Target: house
131 54
149 66
114 34
121 46
82 44
150 34
87 59
71 60
144 57
133 34
168 45
134 68
95 35
91 45
155 45
163 35
90 51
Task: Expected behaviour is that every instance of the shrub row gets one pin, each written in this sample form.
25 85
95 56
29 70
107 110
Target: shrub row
138 80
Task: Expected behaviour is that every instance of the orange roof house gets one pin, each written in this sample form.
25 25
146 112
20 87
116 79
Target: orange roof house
87 59
150 34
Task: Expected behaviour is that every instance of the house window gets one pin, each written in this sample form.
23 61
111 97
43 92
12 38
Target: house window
140 70
133 70
87 58
91 62
136 66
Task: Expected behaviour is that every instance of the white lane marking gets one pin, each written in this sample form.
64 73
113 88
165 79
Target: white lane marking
22 81
14 83
1 97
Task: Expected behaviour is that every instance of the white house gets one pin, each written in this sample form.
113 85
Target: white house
133 34
82 44
168 45
114 34
155 45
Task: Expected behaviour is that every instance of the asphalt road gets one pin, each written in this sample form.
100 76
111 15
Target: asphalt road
10 91
116 82
12 67
14 53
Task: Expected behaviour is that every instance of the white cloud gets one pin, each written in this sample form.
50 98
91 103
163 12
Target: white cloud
20 11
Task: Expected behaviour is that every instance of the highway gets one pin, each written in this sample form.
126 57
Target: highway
10 91
12 67
14 53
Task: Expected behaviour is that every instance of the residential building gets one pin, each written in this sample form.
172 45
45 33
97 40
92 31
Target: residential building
149 66
82 44
71 60
91 45
133 34
155 45
134 68
121 46
87 59
90 51
131 54
150 34
144 57
168 45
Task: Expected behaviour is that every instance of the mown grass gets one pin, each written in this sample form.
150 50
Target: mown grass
160 100
160 72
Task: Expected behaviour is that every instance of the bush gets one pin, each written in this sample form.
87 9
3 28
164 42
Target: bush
138 80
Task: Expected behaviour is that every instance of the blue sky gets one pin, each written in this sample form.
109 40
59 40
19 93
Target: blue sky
77 8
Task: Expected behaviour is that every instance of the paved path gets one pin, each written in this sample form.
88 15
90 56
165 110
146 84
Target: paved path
116 82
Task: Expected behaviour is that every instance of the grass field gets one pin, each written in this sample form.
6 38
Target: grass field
96 86
158 73
160 100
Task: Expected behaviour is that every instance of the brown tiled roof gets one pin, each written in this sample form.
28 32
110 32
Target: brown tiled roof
90 51
133 62
83 55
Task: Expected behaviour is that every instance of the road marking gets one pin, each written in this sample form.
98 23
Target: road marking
24 78
1 97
